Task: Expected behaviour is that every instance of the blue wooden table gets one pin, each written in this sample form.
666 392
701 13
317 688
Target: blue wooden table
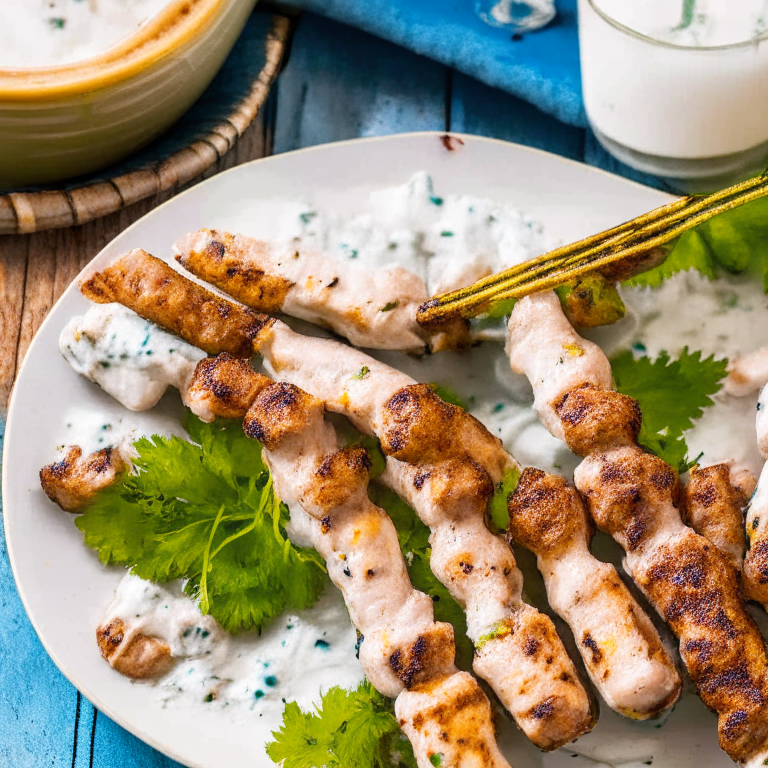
339 83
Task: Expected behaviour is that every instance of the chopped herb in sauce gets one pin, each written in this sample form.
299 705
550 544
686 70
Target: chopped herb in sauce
449 396
361 374
498 508
499 630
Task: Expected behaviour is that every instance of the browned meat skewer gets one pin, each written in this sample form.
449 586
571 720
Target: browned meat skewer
632 496
74 480
713 504
406 654
370 308
542 690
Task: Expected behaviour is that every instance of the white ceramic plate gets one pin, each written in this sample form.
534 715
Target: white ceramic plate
63 586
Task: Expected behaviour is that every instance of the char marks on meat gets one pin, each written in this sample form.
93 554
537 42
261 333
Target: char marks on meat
633 496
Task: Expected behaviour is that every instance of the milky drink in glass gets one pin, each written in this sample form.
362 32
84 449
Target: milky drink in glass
678 87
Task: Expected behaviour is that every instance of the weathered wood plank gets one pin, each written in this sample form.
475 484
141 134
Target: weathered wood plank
109 746
37 704
36 269
340 83
13 273
46 251
485 111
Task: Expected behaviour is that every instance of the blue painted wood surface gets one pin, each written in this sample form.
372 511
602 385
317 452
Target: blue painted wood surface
342 84
542 68
339 83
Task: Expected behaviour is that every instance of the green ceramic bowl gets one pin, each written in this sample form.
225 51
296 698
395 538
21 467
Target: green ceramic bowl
61 122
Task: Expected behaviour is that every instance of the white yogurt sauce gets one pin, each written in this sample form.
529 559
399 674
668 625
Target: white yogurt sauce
44 33
133 360
448 241
724 317
245 674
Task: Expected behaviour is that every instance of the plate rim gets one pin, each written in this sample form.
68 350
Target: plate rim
11 418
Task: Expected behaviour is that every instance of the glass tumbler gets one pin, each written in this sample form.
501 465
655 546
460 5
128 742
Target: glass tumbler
697 116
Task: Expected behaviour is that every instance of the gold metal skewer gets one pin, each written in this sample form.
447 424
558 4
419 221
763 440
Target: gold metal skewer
658 228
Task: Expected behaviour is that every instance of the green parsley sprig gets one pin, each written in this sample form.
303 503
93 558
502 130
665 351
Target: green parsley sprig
735 241
348 729
414 544
498 507
206 512
672 395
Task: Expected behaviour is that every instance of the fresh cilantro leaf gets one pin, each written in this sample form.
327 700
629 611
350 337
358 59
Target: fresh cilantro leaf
446 608
735 241
206 513
672 395
690 252
412 534
348 729
674 450
449 396
361 374
501 308
414 544
498 508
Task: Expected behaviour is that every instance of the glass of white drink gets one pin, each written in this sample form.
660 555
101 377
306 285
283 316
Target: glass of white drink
678 88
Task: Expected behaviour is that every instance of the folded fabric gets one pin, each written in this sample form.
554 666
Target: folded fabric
541 67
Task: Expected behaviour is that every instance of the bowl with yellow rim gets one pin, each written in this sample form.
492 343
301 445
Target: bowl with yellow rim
64 121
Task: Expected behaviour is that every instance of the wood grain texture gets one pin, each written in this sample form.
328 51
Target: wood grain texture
35 269
340 83
485 111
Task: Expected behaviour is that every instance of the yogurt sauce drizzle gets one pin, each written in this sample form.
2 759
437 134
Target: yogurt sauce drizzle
448 241
44 33
133 360
723 317
296 656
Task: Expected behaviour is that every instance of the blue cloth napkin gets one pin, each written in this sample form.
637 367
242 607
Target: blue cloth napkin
541 67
